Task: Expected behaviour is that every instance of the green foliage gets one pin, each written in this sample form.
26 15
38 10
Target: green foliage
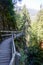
19 21
37 29
26 23
26 17
35 53
23 57
7 14
20 46
20 43
40 25
33 34
23 23
22 18
12 20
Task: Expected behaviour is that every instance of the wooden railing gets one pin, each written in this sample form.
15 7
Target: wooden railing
9 33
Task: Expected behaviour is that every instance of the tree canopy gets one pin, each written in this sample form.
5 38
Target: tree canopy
7 15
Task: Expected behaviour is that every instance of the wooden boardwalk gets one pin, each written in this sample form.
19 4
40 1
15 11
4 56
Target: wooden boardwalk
7 57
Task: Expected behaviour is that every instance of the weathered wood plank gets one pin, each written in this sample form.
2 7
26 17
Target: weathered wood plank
10 31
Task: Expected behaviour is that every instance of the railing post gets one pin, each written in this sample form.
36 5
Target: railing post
13 51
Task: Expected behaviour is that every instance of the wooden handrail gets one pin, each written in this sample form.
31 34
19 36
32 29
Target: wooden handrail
10 31
10 34
4 35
